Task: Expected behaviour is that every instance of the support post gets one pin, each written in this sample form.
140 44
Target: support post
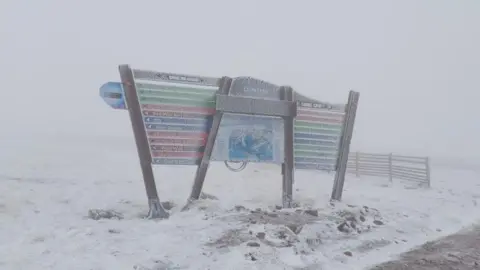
344 149
288 164
156 209
224 87
357 164
390 167
427 168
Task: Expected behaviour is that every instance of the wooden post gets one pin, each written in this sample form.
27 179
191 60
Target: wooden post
131 98
390 167
427 167
288 164
344 149
224 84
357 165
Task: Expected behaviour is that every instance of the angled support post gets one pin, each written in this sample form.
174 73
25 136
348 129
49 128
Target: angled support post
156 209
224 87
344 149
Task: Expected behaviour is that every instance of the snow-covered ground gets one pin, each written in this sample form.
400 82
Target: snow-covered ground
49 184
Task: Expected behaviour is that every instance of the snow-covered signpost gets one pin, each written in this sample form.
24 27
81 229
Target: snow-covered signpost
180 119
171 117
176 120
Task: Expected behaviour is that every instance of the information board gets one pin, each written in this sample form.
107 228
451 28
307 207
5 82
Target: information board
317 134
250 138
177 118
112 93
180 119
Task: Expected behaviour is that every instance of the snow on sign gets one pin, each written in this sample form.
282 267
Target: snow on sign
317 133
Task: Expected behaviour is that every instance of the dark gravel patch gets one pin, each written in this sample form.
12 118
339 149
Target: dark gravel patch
460 251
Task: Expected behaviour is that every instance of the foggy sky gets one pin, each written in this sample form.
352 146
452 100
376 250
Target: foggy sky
415 63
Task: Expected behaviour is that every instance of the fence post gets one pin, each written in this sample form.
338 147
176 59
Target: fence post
357 169
390 169
427 168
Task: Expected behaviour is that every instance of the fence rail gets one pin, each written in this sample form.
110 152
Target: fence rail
408 168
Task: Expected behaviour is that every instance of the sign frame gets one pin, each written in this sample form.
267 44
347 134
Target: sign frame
242 96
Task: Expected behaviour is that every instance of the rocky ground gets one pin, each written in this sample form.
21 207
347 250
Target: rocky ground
305 230
460 251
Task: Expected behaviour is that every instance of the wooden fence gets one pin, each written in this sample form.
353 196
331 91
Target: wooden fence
408 168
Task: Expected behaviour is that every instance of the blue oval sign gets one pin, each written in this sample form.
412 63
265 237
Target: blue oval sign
112 93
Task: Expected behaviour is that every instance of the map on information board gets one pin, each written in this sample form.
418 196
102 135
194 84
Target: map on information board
317 133
250 137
